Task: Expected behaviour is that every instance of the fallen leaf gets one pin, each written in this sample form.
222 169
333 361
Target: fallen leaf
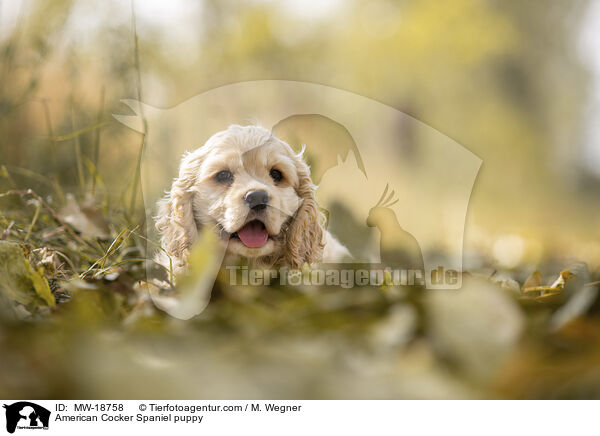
19 281
560 282
46 258
533 281
86 219
558 285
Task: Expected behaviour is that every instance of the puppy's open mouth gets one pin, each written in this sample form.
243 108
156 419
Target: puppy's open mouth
253 235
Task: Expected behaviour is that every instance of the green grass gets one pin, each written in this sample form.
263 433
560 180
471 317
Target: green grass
77 319
99 335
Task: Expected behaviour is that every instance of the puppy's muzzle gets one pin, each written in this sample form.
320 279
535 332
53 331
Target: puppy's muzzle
257 200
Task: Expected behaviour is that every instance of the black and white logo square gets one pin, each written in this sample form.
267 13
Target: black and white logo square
26 415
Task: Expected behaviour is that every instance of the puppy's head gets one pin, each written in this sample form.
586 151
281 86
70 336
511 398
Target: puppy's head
253 191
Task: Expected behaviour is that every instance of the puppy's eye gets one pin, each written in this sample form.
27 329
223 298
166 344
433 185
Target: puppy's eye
276 175
224 176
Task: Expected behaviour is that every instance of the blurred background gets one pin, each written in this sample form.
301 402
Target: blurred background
517 83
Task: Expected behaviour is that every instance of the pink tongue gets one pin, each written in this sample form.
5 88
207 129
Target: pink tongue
253 234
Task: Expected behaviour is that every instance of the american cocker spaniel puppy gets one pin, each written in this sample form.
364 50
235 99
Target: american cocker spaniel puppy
257 195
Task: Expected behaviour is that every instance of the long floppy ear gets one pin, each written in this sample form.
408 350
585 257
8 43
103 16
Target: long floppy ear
175 221
305 235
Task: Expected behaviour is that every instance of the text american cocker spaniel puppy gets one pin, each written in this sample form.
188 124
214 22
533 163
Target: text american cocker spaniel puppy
257 195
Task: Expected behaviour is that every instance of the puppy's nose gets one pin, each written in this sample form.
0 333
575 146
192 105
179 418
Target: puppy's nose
257 200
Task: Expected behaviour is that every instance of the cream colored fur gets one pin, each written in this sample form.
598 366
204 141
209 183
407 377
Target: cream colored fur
197 200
